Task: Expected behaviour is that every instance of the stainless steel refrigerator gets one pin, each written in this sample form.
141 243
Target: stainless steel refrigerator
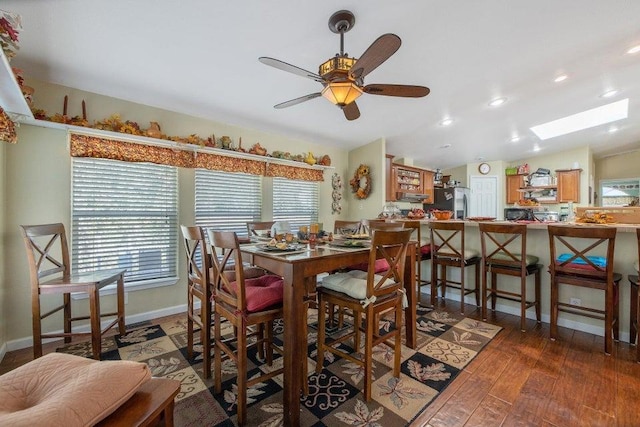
454 199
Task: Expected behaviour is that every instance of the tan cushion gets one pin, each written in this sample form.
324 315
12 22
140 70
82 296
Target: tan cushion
468 254
529 259
352 283
65 390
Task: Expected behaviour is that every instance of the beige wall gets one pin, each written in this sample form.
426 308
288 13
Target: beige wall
3 236
372 155
39 170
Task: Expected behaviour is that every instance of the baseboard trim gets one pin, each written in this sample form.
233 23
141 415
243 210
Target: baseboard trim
21 343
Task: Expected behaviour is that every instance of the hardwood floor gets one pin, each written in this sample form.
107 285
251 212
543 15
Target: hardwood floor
522 379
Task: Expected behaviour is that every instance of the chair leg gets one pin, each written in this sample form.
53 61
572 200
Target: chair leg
553 329
368 352
538 297
190 315
268 343
67 316
477 283
242 373
443 281
217 354
633 313
120 291
205 336
37 326
523 303
608 322
397 349
94 314
434 282
494 287
462 288
321 332
484 292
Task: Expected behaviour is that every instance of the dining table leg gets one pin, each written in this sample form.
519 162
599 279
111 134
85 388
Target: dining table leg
412 297
293 304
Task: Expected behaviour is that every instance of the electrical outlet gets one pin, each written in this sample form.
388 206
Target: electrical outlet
575 301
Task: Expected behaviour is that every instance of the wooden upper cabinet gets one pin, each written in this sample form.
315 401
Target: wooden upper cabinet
390 178
427 183
568 185
514 183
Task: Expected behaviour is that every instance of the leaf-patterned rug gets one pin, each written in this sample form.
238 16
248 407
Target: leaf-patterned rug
445 346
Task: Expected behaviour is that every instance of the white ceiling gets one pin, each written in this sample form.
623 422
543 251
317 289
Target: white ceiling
200 57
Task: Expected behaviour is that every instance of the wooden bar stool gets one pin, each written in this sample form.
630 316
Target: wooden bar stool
635 303
504 251
448 250
573 262
424 253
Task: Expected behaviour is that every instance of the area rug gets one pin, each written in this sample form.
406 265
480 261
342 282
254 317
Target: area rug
446 344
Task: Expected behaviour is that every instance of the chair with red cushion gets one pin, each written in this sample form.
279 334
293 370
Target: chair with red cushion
245 303
577 260
634 282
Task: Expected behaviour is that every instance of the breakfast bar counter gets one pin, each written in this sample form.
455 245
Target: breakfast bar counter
625 256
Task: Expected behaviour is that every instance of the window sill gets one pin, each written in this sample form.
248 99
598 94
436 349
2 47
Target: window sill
131 287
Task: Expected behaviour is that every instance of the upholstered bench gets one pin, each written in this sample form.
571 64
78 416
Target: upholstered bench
67 390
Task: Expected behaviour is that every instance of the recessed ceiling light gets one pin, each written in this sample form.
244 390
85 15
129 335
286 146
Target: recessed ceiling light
497 101
446 122
445 146
536 147
587 119
634 49
613 129
561 78
515 138
609 93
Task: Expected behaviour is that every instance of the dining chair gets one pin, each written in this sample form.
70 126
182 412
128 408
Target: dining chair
259 228
634 313
504 252
448 250
244 303
369 295
576 260
199 292
424 253
50 271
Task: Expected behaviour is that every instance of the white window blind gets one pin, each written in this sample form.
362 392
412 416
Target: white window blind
295 202
125 215
227 201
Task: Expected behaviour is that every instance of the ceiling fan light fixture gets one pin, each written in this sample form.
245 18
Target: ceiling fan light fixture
341 93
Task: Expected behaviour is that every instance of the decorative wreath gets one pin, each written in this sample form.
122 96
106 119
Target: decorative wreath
361 182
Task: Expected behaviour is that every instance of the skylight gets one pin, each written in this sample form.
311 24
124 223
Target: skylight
587 119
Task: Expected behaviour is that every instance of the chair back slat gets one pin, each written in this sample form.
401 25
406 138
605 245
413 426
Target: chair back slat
40 242
504 244
573 248
447 239
199 270
254 227
390 245
226 242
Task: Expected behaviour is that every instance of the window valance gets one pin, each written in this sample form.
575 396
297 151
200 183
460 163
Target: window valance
111 148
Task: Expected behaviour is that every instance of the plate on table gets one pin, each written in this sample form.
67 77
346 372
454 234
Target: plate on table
349 243
481 218
286 248
356 236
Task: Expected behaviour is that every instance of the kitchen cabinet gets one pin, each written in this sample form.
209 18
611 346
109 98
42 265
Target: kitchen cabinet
390 178
514 184
427 183
408 179
568 185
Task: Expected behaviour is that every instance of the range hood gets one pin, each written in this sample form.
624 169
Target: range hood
411 197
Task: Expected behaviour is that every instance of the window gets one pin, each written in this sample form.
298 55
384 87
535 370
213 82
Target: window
295 202
227 201
620 192
125 215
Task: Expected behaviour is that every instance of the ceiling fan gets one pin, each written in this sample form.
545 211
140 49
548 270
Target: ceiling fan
343 77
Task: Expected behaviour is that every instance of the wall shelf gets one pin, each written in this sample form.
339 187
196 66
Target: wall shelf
145 140
11 97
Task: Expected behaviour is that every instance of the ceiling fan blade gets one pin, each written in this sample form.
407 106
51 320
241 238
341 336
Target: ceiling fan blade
351 111
407 91
276 63
292 102
379 51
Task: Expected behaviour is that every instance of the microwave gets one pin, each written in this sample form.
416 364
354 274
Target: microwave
519 214
540 180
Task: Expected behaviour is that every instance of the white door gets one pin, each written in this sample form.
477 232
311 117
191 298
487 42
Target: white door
484 196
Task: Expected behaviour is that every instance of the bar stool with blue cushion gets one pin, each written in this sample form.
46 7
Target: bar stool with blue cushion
635 302
504 251
370 295
448 250
577 260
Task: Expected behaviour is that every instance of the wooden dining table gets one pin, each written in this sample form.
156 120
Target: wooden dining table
299 270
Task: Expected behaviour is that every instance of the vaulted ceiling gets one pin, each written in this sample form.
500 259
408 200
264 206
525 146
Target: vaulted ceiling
201 58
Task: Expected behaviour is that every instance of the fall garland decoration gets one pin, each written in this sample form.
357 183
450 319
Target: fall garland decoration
7 128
